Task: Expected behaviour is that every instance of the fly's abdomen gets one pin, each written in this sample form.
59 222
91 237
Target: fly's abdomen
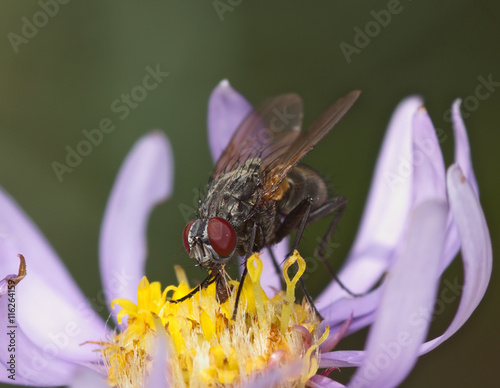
304 182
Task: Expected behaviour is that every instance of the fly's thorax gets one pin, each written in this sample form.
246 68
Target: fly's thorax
234 195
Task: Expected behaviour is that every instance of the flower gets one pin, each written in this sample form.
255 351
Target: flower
54 320
205 345
417 217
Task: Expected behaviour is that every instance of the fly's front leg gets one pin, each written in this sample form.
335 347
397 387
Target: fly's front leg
204 284
245 271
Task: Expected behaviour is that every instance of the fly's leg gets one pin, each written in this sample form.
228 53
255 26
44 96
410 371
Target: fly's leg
205 283
289 224
245 271
335 205
298 219
277 267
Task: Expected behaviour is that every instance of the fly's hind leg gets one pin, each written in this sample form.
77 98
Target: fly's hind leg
301 216
335 205
297 219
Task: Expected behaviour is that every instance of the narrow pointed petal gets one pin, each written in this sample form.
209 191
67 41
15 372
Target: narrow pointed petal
85 378
339 311
226 110
403 318
476 250
4 378
335 336
159 377
342 358
144 180
63 317
4 284
463 159
462 149
428 165
319 381
35 365
10 281
272 377
386 210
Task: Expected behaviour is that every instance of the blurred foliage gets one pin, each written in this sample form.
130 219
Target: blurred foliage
65 77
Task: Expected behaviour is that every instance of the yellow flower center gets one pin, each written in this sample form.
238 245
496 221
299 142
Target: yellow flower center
205 346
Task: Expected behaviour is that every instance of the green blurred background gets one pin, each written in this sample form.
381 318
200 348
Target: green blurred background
64 79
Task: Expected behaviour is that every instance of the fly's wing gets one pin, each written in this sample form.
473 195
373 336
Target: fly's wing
266 133
276 169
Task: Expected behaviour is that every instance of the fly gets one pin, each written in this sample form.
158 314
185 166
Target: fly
259 192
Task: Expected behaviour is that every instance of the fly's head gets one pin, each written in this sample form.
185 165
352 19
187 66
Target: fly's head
210 241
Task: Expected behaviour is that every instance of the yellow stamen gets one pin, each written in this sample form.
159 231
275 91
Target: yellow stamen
290 287
205 346
254 271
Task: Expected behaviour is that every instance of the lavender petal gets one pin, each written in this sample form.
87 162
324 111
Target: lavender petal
403 318
476 251
386 210
50 308
226 110
144 180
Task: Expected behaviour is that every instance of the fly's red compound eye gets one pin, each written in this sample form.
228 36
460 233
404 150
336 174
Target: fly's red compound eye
185 236
222 236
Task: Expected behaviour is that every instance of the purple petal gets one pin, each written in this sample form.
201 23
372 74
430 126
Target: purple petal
159 377
403 318
226 110
339 311
462 149
51 310
4 378
428 166
4 285
144 180
476 251
272 377
85 378
35 365
463 159
361 322
319 381
335 336
342 358
386 210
